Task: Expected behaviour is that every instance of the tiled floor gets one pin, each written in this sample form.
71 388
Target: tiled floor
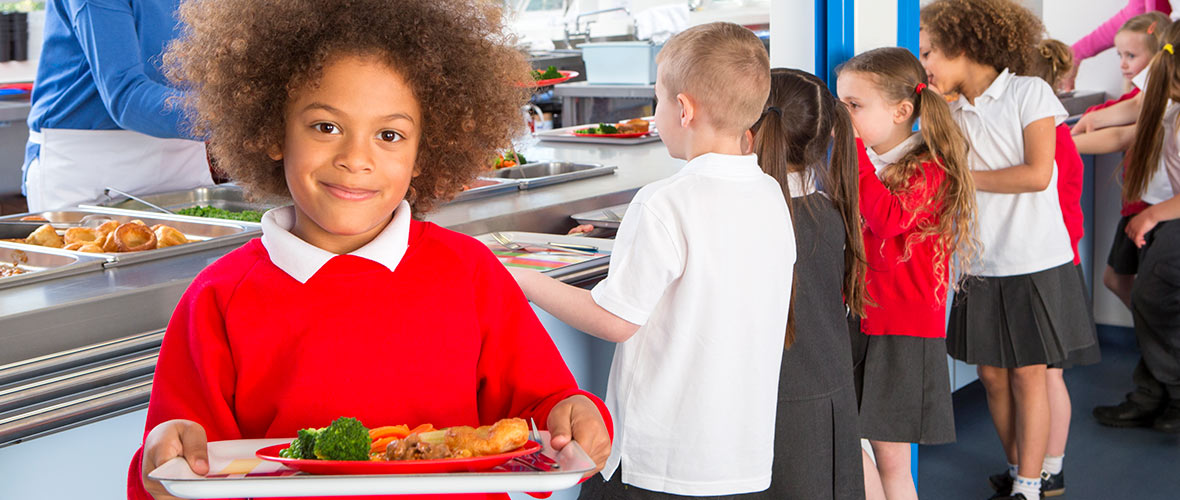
1101 463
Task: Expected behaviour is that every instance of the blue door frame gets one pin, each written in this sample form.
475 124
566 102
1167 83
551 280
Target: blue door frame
835 42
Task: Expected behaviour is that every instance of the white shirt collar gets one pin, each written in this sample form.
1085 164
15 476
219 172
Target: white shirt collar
302 260
880 161
800 185
723 165
994 91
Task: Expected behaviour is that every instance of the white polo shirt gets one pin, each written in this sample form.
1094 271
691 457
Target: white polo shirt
703 261
1159 188
1021 233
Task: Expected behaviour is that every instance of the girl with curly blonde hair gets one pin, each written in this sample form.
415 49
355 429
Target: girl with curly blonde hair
1023 307
366 113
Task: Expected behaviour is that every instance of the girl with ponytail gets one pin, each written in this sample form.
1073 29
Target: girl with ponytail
918 202
1155 295
817 402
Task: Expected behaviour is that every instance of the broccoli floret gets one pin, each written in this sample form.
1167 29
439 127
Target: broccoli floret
303 447
345 439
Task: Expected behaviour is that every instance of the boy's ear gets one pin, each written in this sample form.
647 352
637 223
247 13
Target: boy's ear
903 112
275 152
748 142
687 109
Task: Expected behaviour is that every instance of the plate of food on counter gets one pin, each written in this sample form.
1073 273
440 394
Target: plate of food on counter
347 458
551 76
633 131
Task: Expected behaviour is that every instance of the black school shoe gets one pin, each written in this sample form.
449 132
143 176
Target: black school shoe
1168 421
1001 482
1005 496
1128 414
1052 484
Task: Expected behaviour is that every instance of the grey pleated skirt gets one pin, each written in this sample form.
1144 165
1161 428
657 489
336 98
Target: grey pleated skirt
1087 355
1039 318
903 388
817 449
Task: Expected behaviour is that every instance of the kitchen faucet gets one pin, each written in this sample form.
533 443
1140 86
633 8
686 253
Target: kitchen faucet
585 34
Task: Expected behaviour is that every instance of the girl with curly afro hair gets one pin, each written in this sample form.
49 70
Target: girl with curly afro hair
364 112
1024 307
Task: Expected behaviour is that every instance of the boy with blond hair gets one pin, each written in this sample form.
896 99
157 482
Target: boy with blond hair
698 289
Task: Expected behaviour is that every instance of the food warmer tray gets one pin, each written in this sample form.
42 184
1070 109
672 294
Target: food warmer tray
206 233
45 263
488 187
225 196
544 173
555 264
566 134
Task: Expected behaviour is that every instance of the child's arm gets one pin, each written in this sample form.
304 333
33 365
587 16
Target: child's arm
192 389
1118 114
1102 37
1035 174
1145 221
1107 140
884 212
573 306
521 373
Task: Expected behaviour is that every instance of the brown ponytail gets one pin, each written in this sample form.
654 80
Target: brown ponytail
1054 59
800 144
900 76
1149 132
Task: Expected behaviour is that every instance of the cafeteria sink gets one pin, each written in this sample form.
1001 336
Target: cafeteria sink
531 175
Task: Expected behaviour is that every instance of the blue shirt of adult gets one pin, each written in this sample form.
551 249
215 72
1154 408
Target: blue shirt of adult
100 69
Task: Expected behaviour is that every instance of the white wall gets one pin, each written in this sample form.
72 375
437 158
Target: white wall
1069 21
875 25
792 34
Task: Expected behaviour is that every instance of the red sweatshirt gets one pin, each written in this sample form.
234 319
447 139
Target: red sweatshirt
1070 171
910 298
447 338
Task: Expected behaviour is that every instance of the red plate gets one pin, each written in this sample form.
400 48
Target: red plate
565 75
631 135
338 467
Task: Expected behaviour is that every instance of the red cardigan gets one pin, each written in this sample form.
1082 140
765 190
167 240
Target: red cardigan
1070 171
910 299
448 338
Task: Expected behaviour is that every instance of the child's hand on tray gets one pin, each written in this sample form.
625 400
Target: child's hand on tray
576 418
174 438
581 230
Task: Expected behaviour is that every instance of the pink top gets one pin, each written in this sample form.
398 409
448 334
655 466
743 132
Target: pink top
1102 37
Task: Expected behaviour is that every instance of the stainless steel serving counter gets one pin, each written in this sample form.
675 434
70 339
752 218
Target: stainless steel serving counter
50 325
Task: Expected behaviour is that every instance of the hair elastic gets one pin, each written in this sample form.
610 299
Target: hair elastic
774 109
1151 29
1168 47
919 88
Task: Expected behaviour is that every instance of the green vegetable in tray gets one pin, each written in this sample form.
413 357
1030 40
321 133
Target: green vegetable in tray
218 213
549 74
345 439
602 128
303 447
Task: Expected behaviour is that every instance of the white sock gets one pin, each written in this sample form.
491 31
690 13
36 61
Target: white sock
1030 487
1053 464
1012 468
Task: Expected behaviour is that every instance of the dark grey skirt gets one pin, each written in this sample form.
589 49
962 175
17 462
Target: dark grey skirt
1086 355
817 449
1014 321
903 387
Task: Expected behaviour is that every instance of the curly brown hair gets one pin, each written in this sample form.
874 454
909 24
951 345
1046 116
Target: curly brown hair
998 33
244 60
1054 59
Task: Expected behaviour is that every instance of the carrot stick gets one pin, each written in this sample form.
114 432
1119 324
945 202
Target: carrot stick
380 444
422 428
398 431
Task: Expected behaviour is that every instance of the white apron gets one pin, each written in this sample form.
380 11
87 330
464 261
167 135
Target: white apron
76 165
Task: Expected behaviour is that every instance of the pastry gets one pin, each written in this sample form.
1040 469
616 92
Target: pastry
34 218
132 237
91 248
82 235
167 236
105 229
46 236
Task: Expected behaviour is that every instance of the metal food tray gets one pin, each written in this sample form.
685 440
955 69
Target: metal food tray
537 174
498 187
204 233
599 218
604 246
566 134
225 197
45 263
